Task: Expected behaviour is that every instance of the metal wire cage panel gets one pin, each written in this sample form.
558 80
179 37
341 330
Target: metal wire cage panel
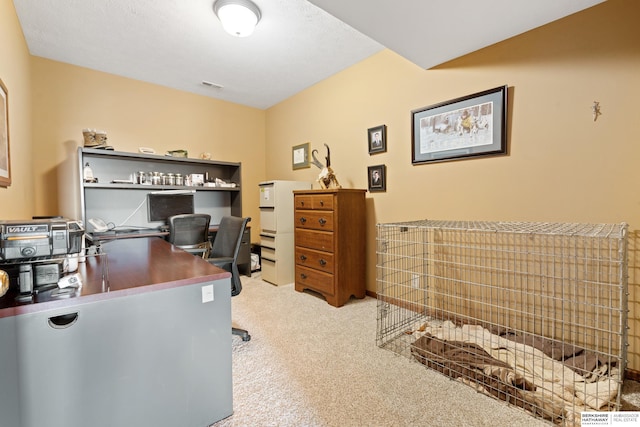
534 314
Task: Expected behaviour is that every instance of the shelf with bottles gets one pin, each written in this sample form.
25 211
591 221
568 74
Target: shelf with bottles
114 167
216 184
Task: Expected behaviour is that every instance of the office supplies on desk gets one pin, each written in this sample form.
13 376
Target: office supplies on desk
39 239
98 225
34 250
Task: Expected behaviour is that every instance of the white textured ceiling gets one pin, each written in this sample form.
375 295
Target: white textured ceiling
180 43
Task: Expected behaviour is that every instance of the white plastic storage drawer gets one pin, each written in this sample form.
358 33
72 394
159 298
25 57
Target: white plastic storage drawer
268 240
268 270
267 195
268 219
277 257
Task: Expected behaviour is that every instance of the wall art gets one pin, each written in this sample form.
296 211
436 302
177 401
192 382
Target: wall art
471 126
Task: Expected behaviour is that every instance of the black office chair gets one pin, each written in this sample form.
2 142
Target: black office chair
191 233
224 254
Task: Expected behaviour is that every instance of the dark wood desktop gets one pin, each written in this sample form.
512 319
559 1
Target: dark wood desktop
244 257
132 266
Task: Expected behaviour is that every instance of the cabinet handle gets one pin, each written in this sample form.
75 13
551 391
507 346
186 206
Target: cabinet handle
303 219
321 202
304 276
63 321
303 257
322 221
301 203
322 262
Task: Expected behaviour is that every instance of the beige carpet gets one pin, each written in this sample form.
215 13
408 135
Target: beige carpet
311 364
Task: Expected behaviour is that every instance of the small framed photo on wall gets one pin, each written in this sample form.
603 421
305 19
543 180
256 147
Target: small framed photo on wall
377 139
377 178
300 156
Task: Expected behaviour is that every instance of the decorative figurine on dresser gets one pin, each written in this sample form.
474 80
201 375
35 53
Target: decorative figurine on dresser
330 243
327 178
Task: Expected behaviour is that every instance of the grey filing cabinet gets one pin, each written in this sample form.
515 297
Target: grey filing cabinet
276 233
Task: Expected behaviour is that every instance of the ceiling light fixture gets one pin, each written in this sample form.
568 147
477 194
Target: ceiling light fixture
239 17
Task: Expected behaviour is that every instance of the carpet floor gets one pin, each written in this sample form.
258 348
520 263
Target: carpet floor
311 364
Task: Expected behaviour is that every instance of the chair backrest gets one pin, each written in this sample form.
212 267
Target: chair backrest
228 237
190 232
227 245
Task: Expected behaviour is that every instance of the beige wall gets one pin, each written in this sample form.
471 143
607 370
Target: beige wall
67 99
562 166
16 201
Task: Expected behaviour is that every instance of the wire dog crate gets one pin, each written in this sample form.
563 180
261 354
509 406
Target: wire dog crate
534 314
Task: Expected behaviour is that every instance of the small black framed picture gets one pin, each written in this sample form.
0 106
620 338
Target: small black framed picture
377 178
377 139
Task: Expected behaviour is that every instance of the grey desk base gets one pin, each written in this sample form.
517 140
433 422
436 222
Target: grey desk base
158 359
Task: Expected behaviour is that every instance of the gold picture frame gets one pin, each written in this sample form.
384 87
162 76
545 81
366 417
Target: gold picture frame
5 159
300 156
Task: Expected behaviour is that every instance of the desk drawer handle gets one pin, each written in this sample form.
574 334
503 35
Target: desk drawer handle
304 276
321 202
322 221
322 262
303 258
303 219
63 321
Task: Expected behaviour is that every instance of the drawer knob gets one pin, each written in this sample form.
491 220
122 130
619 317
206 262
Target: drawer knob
304 276
303 219
321 202
301 203
322 221
303 257
322 262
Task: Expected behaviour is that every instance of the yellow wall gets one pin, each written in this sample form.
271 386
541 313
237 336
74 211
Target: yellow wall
67 99
562 166
16 201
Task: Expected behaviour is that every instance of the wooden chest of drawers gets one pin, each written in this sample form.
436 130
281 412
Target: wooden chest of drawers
330 227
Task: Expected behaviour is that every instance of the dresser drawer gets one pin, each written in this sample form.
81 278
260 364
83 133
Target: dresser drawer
320 240
322 201
315 201
314 259
314 279
303 202
317 220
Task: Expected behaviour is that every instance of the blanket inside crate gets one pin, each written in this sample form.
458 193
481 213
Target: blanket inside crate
549 379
